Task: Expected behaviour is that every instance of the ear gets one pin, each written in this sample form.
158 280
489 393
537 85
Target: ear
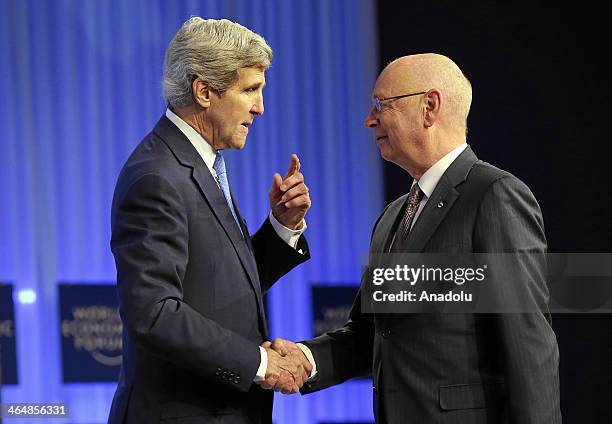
431 111
201 92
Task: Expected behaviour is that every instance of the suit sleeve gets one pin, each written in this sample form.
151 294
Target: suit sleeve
343 353
347 352
510 221
274 257
149 242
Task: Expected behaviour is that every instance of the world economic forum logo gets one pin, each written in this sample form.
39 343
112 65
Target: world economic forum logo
91 332
96 329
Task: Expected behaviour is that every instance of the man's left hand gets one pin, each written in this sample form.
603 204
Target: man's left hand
289 198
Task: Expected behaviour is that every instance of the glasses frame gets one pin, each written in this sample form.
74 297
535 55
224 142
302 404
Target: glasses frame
377 103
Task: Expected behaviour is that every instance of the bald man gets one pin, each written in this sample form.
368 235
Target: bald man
444 368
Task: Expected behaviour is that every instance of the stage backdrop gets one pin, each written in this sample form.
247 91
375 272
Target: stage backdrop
80 86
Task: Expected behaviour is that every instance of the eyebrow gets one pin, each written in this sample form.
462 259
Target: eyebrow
257 84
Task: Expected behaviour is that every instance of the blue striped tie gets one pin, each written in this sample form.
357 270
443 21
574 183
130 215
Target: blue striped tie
219 167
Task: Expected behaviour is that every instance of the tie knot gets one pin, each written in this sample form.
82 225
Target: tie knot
219 165
415 195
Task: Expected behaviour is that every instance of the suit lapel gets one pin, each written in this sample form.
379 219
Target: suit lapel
440 202
216 200
383 236
253 265
188 156
436 208
434 212
243 226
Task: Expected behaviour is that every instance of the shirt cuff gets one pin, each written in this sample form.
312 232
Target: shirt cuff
288 235
310 358
263 366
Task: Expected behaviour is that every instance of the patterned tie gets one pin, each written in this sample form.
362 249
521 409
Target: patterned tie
414 199
219 167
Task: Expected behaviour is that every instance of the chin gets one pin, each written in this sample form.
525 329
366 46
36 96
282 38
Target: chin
237 143
385 154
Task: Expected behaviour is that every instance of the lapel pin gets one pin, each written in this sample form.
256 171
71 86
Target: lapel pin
441 204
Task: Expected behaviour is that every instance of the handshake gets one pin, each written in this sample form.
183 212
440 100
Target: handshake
288 367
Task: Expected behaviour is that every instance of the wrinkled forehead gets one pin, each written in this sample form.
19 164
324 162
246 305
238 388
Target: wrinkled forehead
250 75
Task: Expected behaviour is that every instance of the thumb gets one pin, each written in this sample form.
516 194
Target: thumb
277 181
279 346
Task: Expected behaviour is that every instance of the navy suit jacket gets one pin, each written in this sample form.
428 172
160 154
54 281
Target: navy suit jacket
456 368
190 290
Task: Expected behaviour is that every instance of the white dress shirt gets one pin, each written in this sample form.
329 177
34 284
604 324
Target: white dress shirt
208 154
428 182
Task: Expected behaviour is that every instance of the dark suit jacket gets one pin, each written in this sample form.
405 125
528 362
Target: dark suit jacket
455 368
190 290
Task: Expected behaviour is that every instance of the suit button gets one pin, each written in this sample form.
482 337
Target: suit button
385 333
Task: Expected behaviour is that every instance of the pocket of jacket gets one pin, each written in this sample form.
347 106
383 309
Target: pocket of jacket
471 396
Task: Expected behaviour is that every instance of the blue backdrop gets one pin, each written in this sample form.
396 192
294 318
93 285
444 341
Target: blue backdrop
80 86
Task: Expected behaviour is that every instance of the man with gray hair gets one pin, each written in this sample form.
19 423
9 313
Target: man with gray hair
445 367
190 278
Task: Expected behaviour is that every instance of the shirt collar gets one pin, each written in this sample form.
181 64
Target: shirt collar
204 149
429 180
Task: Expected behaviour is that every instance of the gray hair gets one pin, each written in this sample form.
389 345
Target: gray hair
213 50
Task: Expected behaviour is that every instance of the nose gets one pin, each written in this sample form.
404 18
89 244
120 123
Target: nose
258 107
371 120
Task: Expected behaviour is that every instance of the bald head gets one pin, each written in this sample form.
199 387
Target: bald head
423 72
421 109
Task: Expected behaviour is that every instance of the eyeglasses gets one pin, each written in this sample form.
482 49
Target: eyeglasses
377 103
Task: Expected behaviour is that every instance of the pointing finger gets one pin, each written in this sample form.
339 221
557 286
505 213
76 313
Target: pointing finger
294 167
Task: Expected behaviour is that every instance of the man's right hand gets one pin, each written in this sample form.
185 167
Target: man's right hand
284 373
290 350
